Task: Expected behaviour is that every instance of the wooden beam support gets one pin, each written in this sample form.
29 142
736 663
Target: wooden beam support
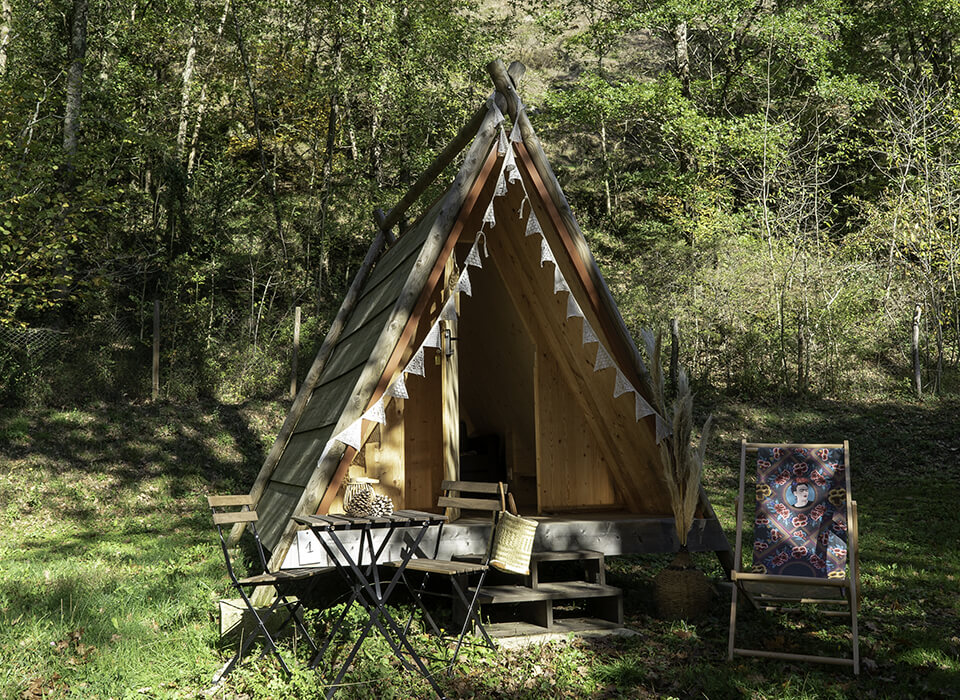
310 382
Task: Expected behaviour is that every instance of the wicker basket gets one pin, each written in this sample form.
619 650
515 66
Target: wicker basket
681 590
513 543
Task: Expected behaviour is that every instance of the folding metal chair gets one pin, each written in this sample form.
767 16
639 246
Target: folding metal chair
458 572
805 543
281 581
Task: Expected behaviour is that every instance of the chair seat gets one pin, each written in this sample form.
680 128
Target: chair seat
440 566
284 576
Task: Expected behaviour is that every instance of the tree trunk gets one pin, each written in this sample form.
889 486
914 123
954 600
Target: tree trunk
78 51
917 383
5 22
202 100
187 78
674 354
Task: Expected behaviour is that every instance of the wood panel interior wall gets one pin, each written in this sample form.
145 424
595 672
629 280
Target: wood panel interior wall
422 415
573 471
496 376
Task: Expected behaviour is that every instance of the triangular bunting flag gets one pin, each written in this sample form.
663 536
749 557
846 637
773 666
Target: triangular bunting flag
463 283
546 255
515 135
663 430
398 389
488 217
622 386
533 225
510 167
326 450
415 365
497 114
573 309
589 336
352 435
643 408
503 146
473 257
449 310
559 284
501 188
433 337
603 359
375 413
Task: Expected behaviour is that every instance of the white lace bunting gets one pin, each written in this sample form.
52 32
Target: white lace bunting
473 257
432 340
503 145
352 435
622 385
603 359
643 409
663 430
589 336
375 413
533 224
501 188
415 365
546 255
488 217
559 284
510 167
573 309
497 114
449 310
515 135
463 283
398 389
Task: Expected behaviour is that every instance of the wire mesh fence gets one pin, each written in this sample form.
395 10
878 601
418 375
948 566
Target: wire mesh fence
227 357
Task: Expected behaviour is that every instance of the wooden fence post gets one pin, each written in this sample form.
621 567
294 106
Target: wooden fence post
156 349
917 382
296 352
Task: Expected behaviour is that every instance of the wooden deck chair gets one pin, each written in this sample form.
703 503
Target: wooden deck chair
282 582
493 501
805 549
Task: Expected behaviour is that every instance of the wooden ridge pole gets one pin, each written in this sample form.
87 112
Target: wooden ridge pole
303 396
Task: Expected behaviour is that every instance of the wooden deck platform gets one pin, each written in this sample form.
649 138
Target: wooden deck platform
610 533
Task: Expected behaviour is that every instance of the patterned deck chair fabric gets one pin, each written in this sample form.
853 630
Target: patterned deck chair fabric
801 519
804 525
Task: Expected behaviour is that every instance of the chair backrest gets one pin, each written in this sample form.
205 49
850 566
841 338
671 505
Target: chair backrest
492 498
228 511
802 497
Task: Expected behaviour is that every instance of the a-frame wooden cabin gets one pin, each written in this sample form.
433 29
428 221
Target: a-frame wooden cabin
518 390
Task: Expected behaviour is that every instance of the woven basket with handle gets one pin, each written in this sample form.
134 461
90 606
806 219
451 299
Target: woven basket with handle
512 540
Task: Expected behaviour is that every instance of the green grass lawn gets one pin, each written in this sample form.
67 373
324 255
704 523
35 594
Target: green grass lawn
110 571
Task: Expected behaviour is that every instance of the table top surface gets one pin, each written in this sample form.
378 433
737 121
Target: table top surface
400 518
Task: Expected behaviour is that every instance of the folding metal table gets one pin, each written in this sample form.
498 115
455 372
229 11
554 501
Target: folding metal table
364 579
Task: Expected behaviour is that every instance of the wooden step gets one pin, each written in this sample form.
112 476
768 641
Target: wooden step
501 630
573 590
510 594
565 590
570 555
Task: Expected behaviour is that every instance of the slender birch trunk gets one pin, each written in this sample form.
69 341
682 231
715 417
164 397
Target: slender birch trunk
78 52
187 79
6 20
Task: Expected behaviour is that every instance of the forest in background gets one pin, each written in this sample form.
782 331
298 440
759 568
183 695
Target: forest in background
780 177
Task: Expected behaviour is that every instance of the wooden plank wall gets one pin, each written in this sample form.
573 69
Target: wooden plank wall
572 472
497 378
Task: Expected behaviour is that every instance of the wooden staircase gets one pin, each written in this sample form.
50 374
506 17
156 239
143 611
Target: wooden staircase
541 603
